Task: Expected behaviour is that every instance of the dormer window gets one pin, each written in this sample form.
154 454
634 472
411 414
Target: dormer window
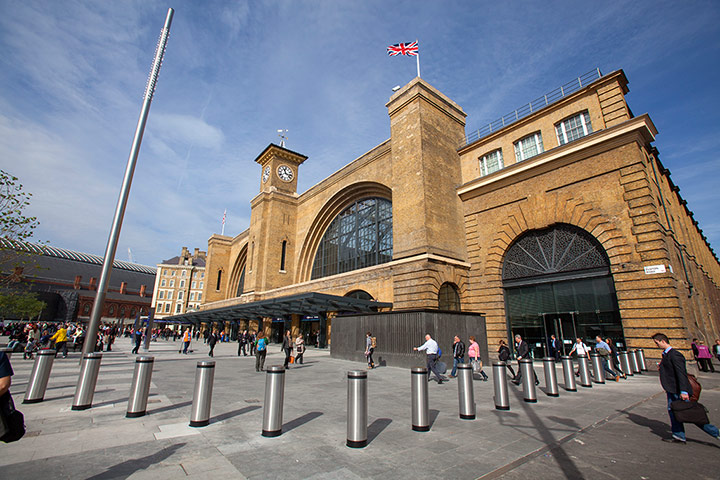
573 128
528 147
492 162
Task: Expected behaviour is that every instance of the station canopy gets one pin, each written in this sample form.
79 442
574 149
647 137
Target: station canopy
307 304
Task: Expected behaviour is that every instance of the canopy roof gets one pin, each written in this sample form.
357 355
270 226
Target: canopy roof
312 303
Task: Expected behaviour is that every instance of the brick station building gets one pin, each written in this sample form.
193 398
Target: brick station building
556 219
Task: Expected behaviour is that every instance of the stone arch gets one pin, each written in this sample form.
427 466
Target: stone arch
237 269
540 212
327 214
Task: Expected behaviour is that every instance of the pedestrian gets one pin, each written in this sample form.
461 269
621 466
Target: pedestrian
60 339
523 351
212 339
603 349
704 357
12 420
475 360
369 349
138 339
615 361
287 348
299 349
260 351
186 340
458 355
504 356
553 350
674 380
580 349
431 350
716 349
242 343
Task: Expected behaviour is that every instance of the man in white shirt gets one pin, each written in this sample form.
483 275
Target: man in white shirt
431 349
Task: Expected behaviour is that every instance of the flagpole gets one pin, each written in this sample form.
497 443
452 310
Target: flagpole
223 222
417 58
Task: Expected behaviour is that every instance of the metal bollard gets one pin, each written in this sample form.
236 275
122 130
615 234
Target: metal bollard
357 409
420 403
39 376
202 397
584 371
274 395
634 362
551 385
502 399
641 359
598 371
466 393
528 378
140 387
625 363
569 373
88 379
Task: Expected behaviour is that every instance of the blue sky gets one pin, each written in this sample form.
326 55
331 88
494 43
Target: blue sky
72 76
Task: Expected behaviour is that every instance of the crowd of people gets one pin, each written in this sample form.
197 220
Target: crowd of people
29 337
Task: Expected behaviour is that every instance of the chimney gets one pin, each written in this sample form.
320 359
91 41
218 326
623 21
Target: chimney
123 287
93 283
76 285
142 290
196 252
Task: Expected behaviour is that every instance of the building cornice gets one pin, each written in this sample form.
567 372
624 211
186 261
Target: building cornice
639 129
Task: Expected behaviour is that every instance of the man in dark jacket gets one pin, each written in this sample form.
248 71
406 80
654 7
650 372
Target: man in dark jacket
674 380
287 346
458 355
523 351
212 340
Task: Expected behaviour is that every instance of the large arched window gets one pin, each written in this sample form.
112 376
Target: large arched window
448 297
359 294
359 237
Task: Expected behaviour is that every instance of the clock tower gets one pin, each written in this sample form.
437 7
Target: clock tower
273 221
279 169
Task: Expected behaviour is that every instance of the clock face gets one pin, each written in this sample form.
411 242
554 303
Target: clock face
285 173
266 174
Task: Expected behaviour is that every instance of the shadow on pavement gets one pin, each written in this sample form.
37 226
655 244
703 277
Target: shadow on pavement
376 428
433 416
127 468
169 407
300 421
109 402
661 429
234 413
569 422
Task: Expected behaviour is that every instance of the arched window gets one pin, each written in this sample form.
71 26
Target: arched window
448 297
86 309
360 295
122 311
359 237
241 284
219 279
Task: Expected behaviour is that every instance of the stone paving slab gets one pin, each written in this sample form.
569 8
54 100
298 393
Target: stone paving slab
102 443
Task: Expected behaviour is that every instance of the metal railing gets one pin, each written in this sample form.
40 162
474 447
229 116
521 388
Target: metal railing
535 105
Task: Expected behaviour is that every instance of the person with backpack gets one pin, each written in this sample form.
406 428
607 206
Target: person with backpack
370 343
12 425
260 351
504 356
431 349
603 349
458 355
675 382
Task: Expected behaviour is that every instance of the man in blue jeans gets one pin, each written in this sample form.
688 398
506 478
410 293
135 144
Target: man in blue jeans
674 380
458 355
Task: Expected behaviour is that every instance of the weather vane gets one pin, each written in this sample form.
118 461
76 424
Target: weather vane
282 134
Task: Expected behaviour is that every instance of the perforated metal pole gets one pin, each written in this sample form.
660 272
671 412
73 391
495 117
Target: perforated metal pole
420 403
94 323
502 398
625 364
641 359
634 363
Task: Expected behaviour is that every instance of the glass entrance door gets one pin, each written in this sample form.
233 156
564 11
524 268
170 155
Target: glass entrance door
563 326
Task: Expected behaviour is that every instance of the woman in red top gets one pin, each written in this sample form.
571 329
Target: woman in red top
474 354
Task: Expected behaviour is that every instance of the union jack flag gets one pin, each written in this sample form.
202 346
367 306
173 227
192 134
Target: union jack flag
403 49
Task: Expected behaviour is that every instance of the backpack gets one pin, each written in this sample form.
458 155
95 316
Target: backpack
439 354
12 421
261 344
373 342
696 387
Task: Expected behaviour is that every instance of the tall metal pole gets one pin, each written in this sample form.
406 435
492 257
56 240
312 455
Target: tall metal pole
94 323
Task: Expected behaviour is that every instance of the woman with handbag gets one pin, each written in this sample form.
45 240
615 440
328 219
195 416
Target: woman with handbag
504 356
299 349
474 354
